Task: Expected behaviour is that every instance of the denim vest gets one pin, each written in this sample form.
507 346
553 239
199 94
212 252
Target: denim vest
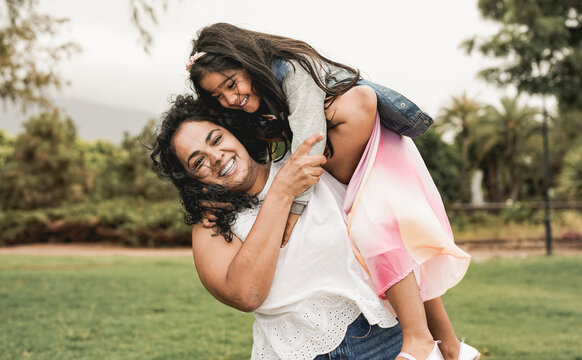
397 113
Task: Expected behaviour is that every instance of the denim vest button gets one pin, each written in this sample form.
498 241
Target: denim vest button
402 104
383 89
426 121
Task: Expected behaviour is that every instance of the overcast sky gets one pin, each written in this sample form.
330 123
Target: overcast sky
411 46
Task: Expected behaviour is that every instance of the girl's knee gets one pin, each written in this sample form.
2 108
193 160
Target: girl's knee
366 100
357 104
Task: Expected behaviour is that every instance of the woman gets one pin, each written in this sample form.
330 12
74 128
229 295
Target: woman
309 298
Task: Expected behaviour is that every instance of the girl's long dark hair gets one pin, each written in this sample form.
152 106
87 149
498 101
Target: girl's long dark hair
230 47
196 197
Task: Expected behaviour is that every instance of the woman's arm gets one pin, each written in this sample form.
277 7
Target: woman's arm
240 274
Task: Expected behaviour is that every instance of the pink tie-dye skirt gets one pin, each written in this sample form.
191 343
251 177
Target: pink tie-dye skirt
397 221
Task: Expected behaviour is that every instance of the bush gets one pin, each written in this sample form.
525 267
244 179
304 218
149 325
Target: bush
519 213
126 170
124 221
570 180
443 163
46 168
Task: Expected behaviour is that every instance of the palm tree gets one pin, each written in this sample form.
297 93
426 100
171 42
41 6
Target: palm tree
460 118
503 144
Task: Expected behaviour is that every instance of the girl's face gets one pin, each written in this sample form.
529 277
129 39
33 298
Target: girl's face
232 88
212 155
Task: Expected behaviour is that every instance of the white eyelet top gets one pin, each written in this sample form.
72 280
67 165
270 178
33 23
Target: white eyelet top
319 288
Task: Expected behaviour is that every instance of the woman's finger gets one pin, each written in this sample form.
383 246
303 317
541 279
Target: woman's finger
307 144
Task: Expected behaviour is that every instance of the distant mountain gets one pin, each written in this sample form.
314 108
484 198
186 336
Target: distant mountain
94 121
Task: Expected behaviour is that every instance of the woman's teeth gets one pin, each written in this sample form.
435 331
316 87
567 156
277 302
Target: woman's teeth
244 101
227 168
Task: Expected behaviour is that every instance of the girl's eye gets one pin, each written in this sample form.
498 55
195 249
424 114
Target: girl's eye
217 140
232 84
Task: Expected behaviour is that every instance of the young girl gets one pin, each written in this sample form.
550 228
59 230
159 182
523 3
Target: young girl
300 93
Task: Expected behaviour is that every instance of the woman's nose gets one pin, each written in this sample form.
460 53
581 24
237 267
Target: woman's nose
232 99
215 158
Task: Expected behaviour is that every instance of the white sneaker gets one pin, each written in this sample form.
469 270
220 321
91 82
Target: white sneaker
435 354
467 352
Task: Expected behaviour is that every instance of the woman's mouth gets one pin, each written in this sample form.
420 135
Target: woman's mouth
244 101
229 168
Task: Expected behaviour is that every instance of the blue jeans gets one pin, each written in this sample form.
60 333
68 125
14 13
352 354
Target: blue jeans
367 342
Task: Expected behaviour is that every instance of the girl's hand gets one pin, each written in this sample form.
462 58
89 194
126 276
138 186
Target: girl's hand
301 170
291 221
208 217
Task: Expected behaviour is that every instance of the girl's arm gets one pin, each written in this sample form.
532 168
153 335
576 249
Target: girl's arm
240 274
306 116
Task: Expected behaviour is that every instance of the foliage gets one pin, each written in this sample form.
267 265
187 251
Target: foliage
47 167
461 117
503 147
515 222
541 44
570 180
31 47
29 54
56 188
443 162
6 148
125 171
141 10
565 134
124 221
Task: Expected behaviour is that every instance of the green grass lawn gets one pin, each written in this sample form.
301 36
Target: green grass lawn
155 308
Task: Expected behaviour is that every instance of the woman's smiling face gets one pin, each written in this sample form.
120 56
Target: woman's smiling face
212 155
232 89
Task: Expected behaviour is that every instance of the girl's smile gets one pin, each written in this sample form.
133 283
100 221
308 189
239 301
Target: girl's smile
232 89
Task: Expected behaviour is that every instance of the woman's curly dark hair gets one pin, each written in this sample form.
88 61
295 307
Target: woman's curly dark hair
194 195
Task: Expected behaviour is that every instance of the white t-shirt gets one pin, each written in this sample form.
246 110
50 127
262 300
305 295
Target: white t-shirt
319 288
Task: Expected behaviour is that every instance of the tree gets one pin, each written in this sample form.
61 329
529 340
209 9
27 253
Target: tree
541 44
564 135
461 117
28 54
145 9
503 145
31 49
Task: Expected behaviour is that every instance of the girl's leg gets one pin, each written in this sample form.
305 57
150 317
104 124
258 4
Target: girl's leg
441 328
351 116
404 296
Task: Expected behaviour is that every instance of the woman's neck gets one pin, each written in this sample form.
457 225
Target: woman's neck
262 175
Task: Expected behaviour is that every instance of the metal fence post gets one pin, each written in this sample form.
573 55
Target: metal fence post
547 218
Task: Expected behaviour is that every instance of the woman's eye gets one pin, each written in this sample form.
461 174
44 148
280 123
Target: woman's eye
198 163
231 85
217 140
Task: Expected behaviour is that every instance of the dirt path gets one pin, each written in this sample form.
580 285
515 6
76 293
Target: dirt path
92 250
478 253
